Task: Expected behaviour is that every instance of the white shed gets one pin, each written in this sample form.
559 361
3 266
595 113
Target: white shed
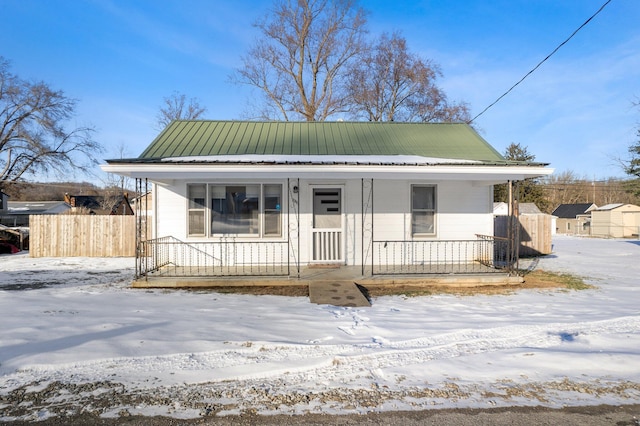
616 221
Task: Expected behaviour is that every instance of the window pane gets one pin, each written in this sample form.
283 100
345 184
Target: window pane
272 223
272 210
272 197
423 222
423 209
235 210
197 195
423 197
327 210
196 222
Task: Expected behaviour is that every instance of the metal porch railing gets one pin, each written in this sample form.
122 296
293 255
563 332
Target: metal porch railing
486 254
171 257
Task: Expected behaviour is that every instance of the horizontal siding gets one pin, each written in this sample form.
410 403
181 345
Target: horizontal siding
464 210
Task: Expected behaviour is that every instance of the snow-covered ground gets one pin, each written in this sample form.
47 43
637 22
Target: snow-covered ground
75 337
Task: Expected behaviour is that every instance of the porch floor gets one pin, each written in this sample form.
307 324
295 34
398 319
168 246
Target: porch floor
178 278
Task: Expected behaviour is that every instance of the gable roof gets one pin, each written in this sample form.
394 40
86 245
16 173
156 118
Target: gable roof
37 207
529 208
198 138
610 206
571 211
617 206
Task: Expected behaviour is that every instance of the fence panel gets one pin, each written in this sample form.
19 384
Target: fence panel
535 233
82 235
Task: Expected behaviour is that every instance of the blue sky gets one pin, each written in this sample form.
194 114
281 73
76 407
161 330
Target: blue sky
120 58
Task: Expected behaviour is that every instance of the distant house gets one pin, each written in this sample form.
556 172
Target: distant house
17 214
574 219
4 199
99 205
616 221
266 198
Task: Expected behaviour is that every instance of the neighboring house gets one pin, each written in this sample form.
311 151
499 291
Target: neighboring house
264 198
574 219
143 204
4 200
616 221
18 212
99 205
535 228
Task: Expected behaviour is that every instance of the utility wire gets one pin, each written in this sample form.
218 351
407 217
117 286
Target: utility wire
541 62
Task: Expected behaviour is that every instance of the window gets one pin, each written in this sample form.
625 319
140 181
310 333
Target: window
423 210
235 209
252 210
197 195
272 210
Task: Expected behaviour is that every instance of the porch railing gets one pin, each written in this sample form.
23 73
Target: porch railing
171 257
486 254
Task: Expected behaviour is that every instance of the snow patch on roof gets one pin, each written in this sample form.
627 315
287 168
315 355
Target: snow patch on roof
610 206
401 160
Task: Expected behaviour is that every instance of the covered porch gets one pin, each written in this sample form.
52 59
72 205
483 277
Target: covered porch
232 261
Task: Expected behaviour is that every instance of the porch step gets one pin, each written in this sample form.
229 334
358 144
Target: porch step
337 293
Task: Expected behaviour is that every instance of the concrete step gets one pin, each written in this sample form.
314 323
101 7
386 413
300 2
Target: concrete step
337 293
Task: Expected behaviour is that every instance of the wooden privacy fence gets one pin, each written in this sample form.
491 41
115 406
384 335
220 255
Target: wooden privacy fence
535 233
81 235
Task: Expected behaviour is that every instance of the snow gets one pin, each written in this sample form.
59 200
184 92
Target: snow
75 323
320 159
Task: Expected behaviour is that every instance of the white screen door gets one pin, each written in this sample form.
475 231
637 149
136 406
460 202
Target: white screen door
327 225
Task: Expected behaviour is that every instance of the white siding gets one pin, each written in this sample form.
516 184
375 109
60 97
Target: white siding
172 210
463 210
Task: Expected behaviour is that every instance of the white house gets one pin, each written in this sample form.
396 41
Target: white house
263 198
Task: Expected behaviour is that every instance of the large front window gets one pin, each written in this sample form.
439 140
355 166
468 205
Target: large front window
252 210
423 210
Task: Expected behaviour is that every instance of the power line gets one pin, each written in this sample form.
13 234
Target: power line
541 62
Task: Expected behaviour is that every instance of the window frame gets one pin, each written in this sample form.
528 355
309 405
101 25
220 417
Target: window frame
433 210
262 210
191 209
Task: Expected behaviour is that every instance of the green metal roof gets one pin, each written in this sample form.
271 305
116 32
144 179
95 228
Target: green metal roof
188 138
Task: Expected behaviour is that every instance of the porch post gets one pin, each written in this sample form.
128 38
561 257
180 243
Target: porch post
513 226
293 225
142 226
138 235
366 206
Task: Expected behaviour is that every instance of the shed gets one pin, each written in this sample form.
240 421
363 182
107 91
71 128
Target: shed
616 221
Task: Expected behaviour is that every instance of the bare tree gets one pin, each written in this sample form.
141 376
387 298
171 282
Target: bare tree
176 107
299 63
33 137
390 83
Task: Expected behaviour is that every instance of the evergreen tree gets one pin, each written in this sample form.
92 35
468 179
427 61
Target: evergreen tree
632 168
529 190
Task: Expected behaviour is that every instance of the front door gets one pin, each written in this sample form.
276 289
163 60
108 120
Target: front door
327 225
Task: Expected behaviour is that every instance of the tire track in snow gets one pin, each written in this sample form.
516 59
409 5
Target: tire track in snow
302 363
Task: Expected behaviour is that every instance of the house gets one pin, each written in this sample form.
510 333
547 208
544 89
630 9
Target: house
268 198
574 219
534 230
616 221
18 212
